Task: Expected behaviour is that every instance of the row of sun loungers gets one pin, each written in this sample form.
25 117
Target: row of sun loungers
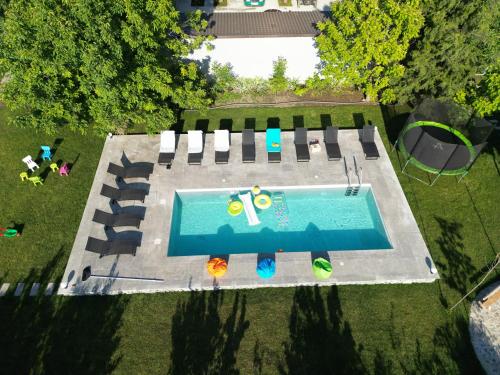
121 219
273 145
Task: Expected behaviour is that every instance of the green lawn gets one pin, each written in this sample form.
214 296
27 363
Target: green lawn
400 329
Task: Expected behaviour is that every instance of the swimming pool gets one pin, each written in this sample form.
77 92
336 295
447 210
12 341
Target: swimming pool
299 219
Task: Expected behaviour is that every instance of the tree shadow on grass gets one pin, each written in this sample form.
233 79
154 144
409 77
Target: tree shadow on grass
452 352
457 267
394 121
59 335
203 342
320 340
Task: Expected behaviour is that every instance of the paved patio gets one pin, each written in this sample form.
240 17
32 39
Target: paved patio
408 262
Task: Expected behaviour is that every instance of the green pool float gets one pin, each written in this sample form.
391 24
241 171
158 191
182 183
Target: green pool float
235 208
322 268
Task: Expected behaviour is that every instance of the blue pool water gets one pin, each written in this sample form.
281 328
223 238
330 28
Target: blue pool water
313 219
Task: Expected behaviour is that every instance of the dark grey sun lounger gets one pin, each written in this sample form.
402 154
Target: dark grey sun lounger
248 146
368 142
117 220
301 146
123 194
117 246
332 144
139 171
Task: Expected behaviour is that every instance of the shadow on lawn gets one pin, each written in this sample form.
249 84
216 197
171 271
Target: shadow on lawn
320 341
452 352
458 267
203 342
59 335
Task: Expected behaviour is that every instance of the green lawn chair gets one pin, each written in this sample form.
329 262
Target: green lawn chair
36 180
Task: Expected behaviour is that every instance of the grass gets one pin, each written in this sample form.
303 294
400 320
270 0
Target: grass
383 329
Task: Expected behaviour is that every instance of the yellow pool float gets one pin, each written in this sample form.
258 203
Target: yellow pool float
235 208
256 190
262 201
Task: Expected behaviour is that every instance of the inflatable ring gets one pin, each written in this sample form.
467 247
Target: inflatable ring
256 190
262 201
235 208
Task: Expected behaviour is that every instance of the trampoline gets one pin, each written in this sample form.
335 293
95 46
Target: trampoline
442 138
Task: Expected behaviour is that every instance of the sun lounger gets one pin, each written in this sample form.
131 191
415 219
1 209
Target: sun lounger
134 171
248 146
332 144
301 145
195 146
273 145
116 220
123 194
221 146
167 147
117 246
368 142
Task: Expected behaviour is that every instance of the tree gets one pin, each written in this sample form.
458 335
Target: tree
458 42
484 97
105 64
224 81
364 43
278 81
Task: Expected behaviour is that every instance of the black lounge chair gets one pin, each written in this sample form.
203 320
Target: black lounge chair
123 194
117 220
301 146
248 146
332 144
134 171
368 142
221 157
114 247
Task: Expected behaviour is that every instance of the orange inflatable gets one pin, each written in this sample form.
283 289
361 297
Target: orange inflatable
217 267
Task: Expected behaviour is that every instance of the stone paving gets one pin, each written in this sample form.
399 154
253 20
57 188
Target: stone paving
151 270
484 329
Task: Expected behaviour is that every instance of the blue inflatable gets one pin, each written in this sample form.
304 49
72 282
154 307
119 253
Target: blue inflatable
266 268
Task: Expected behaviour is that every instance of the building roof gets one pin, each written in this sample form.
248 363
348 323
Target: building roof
263 24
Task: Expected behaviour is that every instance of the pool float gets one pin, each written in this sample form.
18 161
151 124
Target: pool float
235 208
266 268
256 190
262 201
217 267
322 268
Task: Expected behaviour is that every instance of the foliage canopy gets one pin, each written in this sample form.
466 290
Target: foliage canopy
458 44
112 64
365 41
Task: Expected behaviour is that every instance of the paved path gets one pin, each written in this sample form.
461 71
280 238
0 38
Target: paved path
484 329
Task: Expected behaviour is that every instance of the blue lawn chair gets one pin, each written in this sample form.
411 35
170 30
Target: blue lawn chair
46 153
273 145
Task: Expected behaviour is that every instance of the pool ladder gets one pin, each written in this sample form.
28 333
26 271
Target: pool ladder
353 190
280 209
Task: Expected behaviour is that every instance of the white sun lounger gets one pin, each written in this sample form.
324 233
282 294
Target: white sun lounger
221 146
195 146
167 147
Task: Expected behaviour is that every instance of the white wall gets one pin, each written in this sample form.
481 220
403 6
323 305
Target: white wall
253 57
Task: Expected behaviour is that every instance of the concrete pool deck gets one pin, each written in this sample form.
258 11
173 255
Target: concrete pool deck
408 262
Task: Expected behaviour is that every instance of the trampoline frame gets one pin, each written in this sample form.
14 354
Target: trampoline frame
409 159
